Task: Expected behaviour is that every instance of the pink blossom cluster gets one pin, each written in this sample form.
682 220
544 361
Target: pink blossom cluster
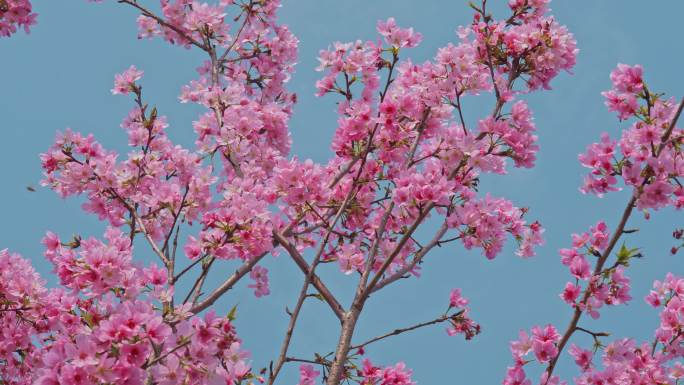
537 45
461 323
416 188
113 336
647 161
646 156
185 20
542 343
16 14
124 83
626 361
131 343
301 184
259 275
307 375
358 62
670 295
398 37
610 286
403 153
607 286
21 292
367 374
350 258
160 179
239 226
389 375
484 223
417 154
523 9
96 268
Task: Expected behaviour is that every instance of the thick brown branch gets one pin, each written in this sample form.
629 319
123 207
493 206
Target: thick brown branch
245 268
315 281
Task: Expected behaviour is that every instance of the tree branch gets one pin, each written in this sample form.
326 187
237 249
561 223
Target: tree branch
164 23
315 280
395 332
619 231
245 268
417 258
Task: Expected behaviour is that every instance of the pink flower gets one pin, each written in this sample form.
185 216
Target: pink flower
396 36
155 275
350 259
14 14
125 81
260 277
134 354
456 300
544 342
522 346
580 268
192 248
147 27
570 293
627 78
307 375
516 376
582 357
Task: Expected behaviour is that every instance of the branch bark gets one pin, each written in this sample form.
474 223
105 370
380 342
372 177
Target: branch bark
315 280
245 268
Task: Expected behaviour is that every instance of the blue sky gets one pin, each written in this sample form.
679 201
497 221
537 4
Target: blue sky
61 74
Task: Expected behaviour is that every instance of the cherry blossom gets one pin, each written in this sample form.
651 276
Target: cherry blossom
403 158
16 14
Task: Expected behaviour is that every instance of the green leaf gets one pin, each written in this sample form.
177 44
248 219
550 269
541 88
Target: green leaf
232 314
318 296
625 254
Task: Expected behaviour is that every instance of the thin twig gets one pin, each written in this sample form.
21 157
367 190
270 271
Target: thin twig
395 332
161 21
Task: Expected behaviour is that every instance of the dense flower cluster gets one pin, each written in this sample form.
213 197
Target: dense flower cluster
158 182
402 153
367 374
542 343
20 290
16 14
626 361
389 375
416 151
646 158
484 223
108 330
610 286
95 268
647 161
